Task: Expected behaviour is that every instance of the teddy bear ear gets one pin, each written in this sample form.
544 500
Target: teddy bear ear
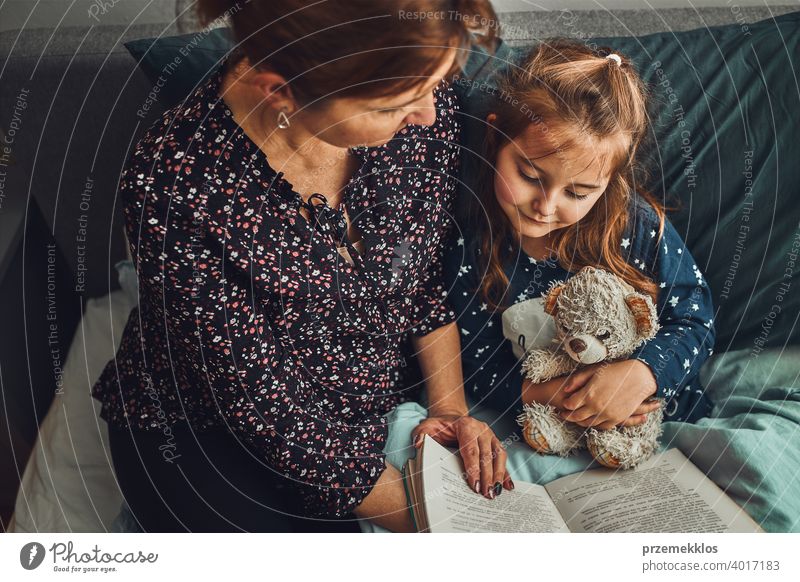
644 313
550 302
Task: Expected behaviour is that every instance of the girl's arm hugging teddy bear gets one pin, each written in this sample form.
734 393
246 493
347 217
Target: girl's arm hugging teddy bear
598 317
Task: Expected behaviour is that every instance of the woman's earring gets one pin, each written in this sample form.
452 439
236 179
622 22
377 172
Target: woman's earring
283 121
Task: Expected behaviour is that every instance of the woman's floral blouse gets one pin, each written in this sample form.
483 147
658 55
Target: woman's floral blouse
248 316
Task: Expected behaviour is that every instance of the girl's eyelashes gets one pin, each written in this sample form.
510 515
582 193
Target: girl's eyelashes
577 196
527 178
533 180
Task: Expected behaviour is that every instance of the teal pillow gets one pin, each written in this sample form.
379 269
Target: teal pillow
727 153
175 65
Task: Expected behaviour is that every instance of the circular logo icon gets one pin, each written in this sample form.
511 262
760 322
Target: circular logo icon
31 555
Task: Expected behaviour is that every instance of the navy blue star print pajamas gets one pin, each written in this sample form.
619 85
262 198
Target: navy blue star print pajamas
492 344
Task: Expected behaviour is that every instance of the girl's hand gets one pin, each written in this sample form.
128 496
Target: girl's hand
606 395
483 455
552 392
556 391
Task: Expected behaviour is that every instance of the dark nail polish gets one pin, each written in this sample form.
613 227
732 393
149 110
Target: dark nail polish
510 484
498 488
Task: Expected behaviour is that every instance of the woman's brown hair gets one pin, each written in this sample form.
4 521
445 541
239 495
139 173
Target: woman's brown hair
569 84
355 48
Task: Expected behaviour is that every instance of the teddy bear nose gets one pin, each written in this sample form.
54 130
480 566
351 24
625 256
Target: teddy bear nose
577 345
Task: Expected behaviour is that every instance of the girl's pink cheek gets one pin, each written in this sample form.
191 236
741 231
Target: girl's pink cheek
504 193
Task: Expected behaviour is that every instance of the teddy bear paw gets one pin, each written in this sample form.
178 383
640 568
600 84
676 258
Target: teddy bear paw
547 433
624 448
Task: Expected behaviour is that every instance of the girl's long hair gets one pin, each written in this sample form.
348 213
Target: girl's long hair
569 85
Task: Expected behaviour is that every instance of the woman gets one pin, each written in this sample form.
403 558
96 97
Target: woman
287 224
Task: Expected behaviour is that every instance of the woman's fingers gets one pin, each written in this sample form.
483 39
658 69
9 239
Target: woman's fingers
435 428
470 455
484 458
487 467
499 466
418 434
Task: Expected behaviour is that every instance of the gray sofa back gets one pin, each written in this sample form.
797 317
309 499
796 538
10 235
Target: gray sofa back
81 92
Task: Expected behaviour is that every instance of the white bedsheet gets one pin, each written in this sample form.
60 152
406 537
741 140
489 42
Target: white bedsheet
68 484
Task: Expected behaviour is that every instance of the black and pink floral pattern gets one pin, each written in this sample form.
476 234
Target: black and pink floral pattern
248 316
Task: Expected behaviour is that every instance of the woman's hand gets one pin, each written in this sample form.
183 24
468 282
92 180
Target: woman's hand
482 453
607 395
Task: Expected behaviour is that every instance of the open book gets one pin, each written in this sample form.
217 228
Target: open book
666 493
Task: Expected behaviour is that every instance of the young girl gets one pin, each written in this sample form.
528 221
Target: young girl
560 189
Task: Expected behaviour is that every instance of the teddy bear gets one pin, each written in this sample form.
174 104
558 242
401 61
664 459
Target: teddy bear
598 317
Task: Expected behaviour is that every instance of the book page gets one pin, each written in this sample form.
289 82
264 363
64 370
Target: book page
451 506
667 493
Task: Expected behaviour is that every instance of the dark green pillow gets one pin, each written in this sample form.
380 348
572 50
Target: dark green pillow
175 65
724 92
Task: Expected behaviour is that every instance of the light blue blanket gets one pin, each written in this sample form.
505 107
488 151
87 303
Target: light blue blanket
749 446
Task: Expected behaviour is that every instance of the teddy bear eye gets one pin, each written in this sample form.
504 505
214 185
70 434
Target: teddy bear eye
603 334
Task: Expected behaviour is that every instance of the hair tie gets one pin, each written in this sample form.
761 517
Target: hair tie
616 58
